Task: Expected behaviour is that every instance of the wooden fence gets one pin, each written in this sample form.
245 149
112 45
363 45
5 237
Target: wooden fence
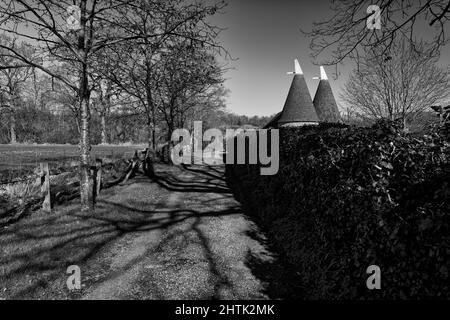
96 173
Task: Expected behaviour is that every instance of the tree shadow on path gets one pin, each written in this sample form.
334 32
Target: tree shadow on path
35 252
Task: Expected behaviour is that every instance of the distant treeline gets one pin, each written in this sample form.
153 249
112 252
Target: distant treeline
34 125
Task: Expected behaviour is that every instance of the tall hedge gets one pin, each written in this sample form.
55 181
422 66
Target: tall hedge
347 198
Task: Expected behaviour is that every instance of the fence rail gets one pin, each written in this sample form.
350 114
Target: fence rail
40 176
19 180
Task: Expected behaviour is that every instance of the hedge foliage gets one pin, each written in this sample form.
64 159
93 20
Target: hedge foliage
347 198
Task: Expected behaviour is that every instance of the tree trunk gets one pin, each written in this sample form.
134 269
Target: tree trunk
85 149
13 128
150 107
150 135
77 123
171 145
106 107
103 120
153 133
154 139
86 183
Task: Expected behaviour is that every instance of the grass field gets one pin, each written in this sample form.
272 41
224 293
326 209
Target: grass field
18 157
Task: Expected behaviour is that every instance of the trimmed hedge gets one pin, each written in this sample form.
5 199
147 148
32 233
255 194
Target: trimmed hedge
347 198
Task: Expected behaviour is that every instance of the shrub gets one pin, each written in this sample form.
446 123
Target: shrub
347 198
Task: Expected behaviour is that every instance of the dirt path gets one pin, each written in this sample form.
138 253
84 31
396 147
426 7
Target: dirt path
180 236
200 255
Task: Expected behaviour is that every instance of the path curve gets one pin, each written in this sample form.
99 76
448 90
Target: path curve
200 249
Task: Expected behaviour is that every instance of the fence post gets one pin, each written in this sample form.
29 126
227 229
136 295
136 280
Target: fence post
98 180
148 164
45 187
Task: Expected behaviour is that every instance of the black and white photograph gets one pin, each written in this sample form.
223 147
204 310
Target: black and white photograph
225 156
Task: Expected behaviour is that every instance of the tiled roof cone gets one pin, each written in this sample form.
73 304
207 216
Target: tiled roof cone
324 102
298 108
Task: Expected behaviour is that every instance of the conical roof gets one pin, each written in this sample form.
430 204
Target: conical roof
273 122
298 106
324 102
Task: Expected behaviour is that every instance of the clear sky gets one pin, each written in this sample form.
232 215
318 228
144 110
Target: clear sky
265 37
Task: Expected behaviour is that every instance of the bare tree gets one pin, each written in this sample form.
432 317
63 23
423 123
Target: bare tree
76 39
12 78
38 90
104 91
401 87
182 22
105 97
346 35
207 107
73 42
187 73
